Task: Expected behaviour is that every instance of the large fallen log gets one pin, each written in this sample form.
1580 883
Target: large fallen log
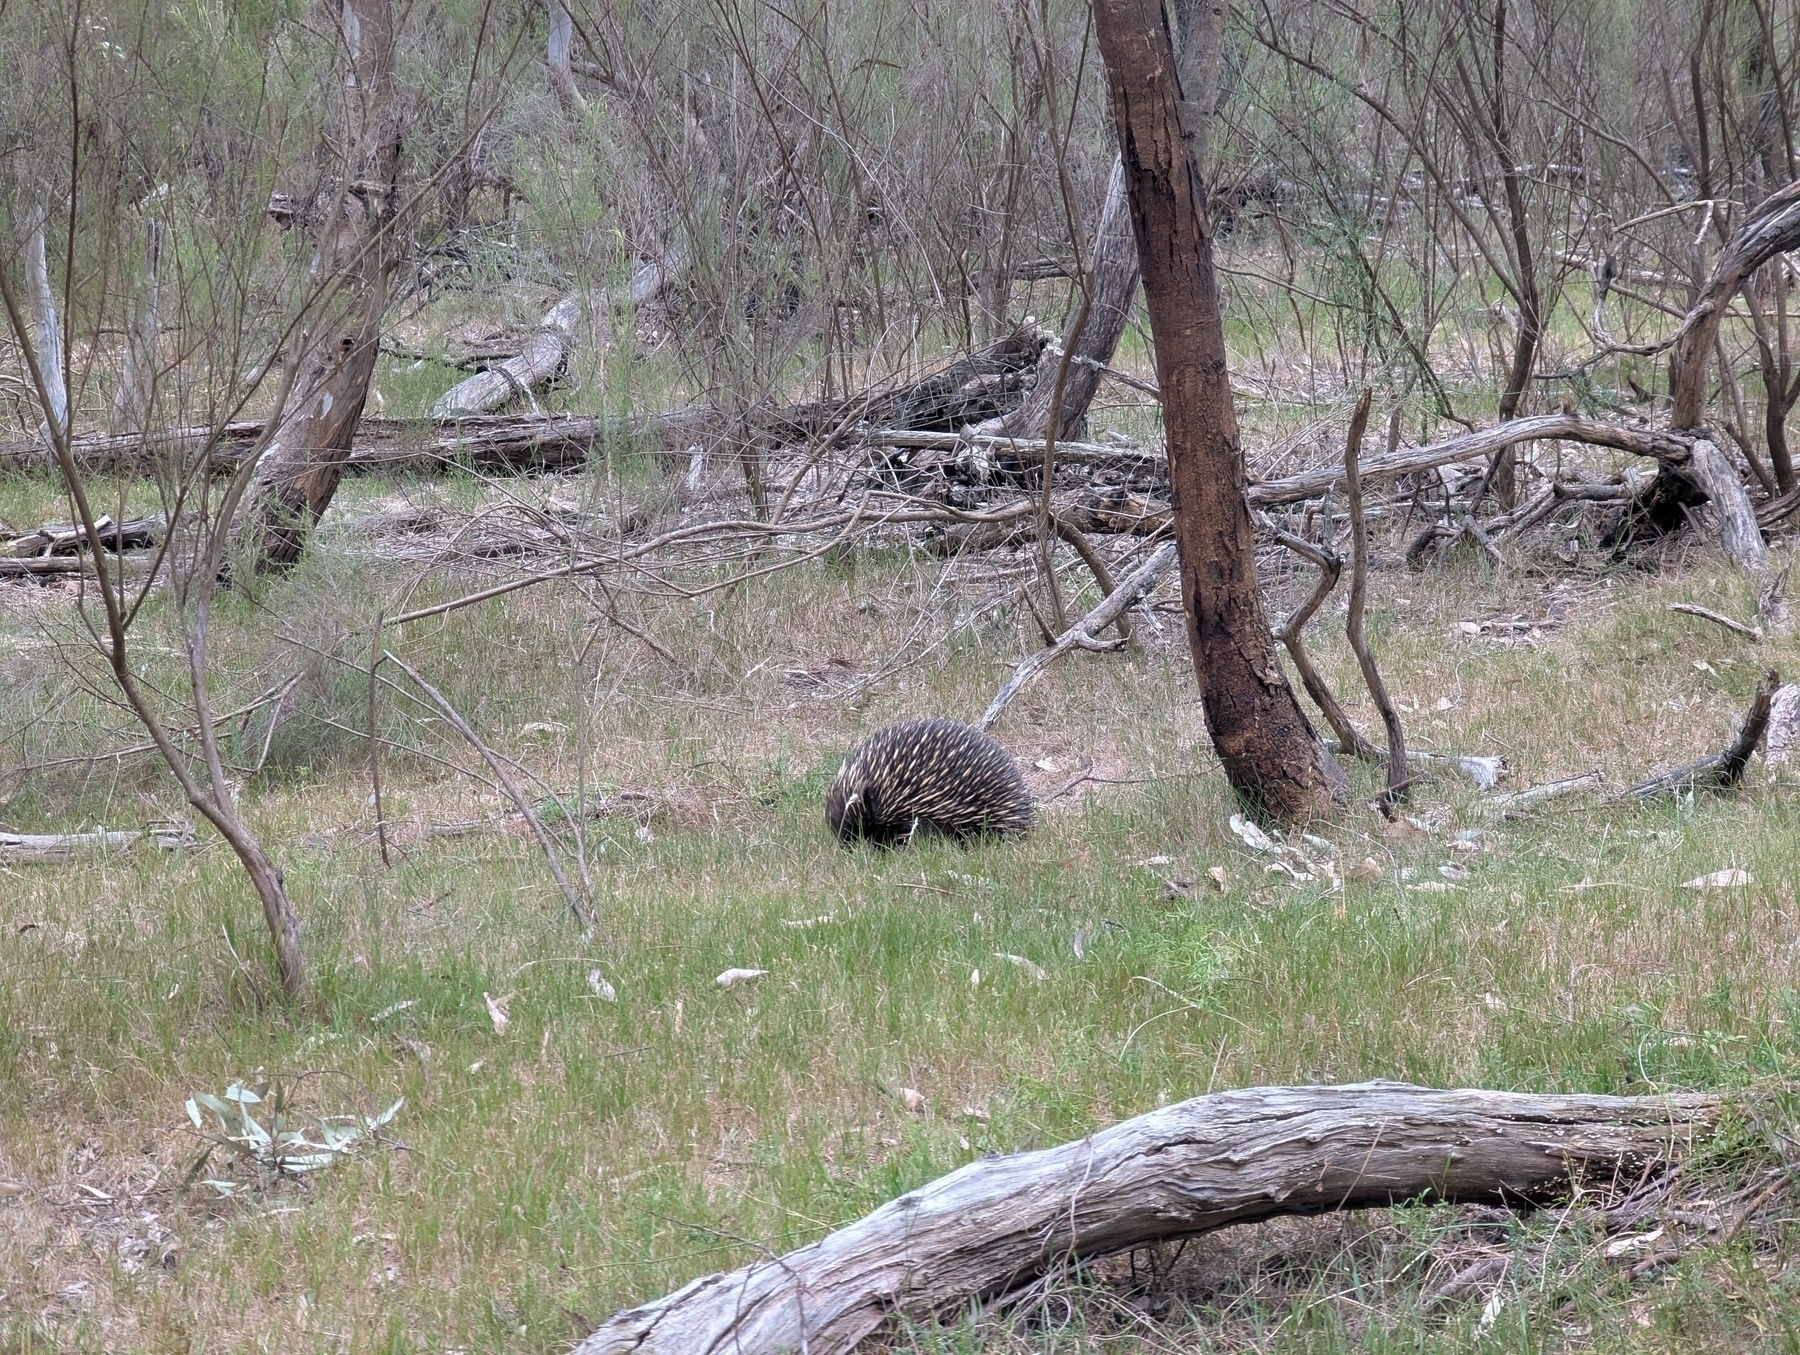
1231 1158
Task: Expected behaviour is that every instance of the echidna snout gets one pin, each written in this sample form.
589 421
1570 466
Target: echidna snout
927 776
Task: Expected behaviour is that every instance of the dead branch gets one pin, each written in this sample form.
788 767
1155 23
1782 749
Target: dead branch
1723 769
1708 614
1519 801
1661 446
1096 564
1236 1157
1331 568
544 353
1083 633
1353 624
18 848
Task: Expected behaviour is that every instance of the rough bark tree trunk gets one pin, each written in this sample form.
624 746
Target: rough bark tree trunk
1236 1157
1271 755
352 265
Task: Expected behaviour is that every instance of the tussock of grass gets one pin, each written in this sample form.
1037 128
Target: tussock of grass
597 1153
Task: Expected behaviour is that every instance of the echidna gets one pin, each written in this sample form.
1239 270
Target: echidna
927 776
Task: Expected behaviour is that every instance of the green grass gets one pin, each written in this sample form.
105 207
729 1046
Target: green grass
596 1154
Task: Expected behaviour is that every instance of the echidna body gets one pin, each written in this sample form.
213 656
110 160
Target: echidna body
927 776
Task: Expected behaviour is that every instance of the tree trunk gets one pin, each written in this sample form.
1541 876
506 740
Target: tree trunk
562 39
1237 1157
1271 755
1772 229
351 267
1114 280
47 329
137 380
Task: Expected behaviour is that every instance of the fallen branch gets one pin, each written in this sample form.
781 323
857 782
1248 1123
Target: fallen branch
996 1225
1518 801
544 353
1665 447
1707 614
1085 632
1722 770
18 848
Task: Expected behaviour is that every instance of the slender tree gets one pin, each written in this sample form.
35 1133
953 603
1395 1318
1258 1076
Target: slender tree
1271 755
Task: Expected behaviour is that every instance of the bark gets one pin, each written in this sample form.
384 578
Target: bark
543 355
352 266
1270 753
1237 1157
1713 475
1772 229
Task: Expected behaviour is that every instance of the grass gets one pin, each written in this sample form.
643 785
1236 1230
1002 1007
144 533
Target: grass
594 1153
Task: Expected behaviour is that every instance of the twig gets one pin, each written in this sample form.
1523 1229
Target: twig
496 766
1096 564
1353 625
1707 614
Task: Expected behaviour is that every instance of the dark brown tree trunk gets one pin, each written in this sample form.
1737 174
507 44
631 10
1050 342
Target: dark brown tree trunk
1271 755
349 284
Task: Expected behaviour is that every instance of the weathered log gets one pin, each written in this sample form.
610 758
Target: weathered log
19 848
1231 1158
1723 769
1084 634
1714 476
66 538
1666 447
544 353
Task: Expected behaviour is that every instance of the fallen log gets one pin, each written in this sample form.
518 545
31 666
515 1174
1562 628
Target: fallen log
42 848
544 353
1723 769
1084 634
1666 447
1236 1157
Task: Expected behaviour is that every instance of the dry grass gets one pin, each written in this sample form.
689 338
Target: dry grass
597 1153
